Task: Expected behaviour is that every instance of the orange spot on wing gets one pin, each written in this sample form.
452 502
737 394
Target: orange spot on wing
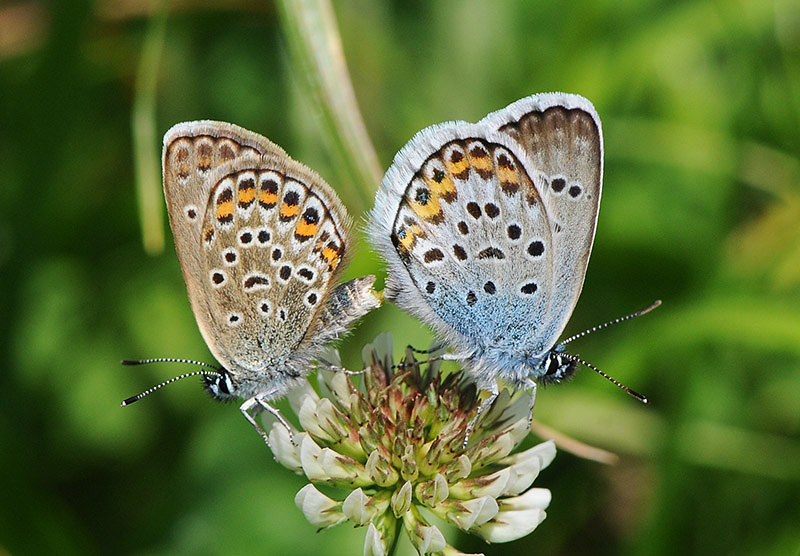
289 211
331 256
246 195
431 210
267 198
204 153
225 211
456 168
444 188
408 235
508 175
306 229
480 160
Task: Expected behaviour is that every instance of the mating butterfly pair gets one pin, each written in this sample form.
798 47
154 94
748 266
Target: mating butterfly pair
486 230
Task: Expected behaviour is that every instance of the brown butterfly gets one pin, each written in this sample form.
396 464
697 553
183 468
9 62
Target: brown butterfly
261 240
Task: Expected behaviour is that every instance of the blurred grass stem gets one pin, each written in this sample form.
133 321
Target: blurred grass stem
317 54
143 127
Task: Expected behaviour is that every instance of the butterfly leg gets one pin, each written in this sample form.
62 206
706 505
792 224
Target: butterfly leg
487 403
531 385
339 369
255 405
403 366
347 371
442 357
432 349
463 356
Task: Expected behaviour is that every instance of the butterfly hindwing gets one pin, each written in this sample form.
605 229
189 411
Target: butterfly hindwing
271 260
465 222
260 237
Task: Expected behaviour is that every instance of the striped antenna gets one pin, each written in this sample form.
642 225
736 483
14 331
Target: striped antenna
614 381
638 313
216 372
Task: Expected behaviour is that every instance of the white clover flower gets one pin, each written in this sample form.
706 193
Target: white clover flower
390 457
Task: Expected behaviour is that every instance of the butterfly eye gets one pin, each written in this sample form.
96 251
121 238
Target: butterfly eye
552 365
558 368
212 384
219 386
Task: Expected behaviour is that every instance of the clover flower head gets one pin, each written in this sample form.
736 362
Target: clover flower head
390 456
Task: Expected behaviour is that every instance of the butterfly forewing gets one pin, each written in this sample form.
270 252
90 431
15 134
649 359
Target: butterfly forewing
271 256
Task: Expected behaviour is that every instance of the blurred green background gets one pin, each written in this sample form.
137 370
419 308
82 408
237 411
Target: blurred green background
700 103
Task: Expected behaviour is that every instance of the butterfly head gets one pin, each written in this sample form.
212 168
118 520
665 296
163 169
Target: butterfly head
220 385
217 380
557 366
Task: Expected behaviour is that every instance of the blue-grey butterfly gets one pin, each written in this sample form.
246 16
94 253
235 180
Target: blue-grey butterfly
487 230
261 241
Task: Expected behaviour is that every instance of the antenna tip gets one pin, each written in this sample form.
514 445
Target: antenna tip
639 397
128 362
129 401
655 304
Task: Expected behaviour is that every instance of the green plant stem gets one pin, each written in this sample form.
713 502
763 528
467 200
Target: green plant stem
395 542
143 128
316 52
